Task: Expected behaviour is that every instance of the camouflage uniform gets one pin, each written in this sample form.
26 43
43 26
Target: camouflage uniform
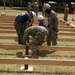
52 28
38 33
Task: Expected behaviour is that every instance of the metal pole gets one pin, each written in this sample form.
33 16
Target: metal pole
26 65
26 53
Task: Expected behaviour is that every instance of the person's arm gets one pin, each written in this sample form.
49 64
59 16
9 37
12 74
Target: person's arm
32 20
27 24
29 20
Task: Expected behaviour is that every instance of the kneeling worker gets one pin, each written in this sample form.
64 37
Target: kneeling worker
38 33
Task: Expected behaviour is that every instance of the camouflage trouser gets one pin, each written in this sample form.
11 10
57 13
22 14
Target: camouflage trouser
37 40
65 17
43 13
52 37
20 31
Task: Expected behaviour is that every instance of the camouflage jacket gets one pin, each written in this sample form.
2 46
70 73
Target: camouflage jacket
52 19
31 31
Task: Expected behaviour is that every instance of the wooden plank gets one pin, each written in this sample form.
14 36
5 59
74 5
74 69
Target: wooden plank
10 46
7 24
59 39
60 29
6 21
11 25
61 26
66 40
14 31
66 34
7 27
8 31
8 37
38 61
59 48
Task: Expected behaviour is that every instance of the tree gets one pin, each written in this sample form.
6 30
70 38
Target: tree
4 4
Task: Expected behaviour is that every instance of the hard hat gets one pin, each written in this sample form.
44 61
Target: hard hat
40 17
46 6
23 13
33 13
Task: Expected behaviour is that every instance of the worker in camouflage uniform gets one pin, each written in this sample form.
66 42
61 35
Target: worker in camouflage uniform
52 25
38 33
23 21
41 21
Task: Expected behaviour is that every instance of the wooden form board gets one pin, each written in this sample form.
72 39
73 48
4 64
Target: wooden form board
59 39
53 62
59 48
60 29
11 26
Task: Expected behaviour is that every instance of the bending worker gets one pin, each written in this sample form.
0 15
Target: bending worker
23 21
38 33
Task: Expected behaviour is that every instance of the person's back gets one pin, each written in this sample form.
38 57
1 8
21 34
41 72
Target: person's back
31 31
22 18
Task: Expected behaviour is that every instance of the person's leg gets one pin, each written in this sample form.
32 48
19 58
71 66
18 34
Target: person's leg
54 41
18 27
37 40
49 38
34 48
54 38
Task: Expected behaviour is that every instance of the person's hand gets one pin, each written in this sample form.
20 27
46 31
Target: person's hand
27 46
